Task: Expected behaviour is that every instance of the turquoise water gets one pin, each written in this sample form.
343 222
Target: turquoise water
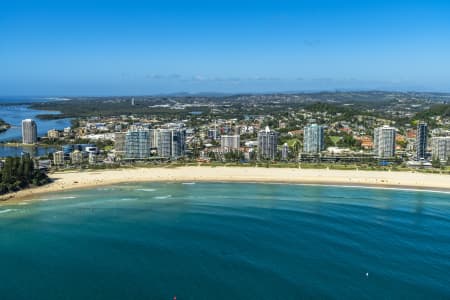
227 241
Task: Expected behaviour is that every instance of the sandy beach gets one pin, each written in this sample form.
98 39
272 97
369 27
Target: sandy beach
63 181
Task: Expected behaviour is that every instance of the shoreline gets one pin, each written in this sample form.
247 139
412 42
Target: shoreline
77 180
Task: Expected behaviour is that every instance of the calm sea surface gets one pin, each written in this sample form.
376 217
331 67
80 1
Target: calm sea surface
227 241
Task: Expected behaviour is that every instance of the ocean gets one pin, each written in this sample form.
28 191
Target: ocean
227 241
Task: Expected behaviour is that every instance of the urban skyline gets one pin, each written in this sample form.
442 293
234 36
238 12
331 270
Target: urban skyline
169 142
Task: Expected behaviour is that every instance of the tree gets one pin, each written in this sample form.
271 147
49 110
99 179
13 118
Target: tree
328 141
348 141
436 163
234 156
19 172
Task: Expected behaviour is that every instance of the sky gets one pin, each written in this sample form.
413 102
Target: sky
89 47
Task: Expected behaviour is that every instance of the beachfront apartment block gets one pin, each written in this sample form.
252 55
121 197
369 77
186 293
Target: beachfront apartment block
29 131
164 142
171 143
178 142
267 144
440 148
313 139
285 152
119 142
137 143
421 141
230 142
76 157
384 141
58 158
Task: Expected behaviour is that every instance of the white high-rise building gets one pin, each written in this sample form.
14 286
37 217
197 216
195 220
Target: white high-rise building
267 144
230 142
440 148
285 152
164 143
137 143
29 131
171 143
384 141
313 139
153 138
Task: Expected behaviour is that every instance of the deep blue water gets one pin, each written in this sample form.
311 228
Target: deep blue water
227 241
27 99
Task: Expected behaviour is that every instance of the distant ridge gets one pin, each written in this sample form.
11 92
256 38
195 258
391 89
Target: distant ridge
11 100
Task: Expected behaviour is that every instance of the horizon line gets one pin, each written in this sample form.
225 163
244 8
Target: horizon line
221 94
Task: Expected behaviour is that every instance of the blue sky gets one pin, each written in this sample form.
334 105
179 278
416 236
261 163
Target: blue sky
89 47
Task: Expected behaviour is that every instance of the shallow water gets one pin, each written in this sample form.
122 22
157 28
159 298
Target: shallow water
227 241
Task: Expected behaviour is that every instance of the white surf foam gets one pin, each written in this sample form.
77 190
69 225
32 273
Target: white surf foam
128 199
146 190
163 197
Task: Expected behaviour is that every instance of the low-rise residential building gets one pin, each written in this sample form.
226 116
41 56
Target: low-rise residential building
53 134
58 158
76 157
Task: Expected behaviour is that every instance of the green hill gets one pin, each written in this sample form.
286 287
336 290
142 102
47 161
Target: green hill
4 126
